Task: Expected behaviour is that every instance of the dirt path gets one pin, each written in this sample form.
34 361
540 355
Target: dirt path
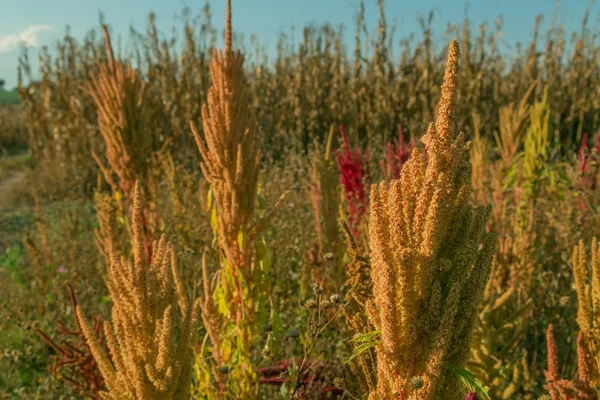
13 175
9 187
14 208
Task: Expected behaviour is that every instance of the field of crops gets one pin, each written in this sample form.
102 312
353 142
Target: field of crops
392 221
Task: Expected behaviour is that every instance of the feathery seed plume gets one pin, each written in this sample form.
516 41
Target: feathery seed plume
430 260
230 150
150 337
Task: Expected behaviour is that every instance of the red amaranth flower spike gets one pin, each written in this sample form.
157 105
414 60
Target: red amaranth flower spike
73 359
588 161
585 153
353 176
314 380
147 240
395 155
582 156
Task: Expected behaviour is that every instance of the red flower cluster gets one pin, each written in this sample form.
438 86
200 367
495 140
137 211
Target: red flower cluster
73 360
587 166
353 175
314 381
395 155
585 153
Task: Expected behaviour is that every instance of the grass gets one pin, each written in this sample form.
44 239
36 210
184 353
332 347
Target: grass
17 159
9 97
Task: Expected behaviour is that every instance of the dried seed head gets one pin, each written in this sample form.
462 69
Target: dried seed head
339 382
266 353
328 257
335 299
416 382
310 304
317 288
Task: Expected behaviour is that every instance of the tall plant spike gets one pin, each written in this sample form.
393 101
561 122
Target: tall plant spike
118 93
229 146
150 337
587 283
431 260
230 150
559 388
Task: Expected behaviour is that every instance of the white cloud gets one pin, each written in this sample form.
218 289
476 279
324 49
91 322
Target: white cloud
29 37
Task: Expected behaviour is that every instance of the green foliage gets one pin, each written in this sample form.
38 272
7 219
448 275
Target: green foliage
471 382
363 343
10 262
9 97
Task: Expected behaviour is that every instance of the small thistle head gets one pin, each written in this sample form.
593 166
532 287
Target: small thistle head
335 299
266 353
293 333
310 304
416 382
317 288
339 382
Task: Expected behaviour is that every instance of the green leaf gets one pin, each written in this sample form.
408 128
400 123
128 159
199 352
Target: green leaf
214 220
365 342
242 238
284 391
262 202
471 382
222 300
265 257
209 198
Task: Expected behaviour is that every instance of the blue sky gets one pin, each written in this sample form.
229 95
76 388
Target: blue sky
42 22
